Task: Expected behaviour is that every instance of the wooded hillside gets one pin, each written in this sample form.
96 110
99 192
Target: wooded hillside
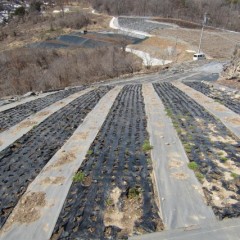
221 13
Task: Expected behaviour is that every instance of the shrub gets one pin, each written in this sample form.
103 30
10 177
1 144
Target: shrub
35 6
20 11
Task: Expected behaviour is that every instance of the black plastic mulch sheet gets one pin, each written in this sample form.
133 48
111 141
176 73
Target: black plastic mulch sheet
12 116
199 132
219 96
22 161
116 160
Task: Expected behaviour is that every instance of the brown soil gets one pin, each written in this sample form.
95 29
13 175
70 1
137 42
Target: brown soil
26 124
175 164
233 83
27 210
179 175
42 114
82 135
158 47
220 109
123 218
226 41
87 181
234 120
53 180
65 158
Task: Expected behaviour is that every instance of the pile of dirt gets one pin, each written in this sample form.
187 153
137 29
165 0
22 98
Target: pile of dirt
231 72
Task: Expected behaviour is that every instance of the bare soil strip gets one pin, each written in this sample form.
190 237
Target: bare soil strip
182 205
230 119
11 135
55 179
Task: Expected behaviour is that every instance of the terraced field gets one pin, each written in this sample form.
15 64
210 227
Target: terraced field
227 99
117 162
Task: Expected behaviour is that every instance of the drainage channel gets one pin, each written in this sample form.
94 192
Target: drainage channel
112 195
218 95
22 161
12 116
212 149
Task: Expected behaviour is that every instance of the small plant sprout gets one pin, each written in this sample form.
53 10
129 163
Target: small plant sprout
109 202
90 152
134 192
149 161
199 176
193 166
224 159
234 175
187 147
78 177
168 112
146 146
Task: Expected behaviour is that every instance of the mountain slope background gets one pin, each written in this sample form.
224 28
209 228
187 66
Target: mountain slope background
226 16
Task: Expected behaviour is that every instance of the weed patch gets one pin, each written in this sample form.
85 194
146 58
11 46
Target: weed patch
79 177
146 146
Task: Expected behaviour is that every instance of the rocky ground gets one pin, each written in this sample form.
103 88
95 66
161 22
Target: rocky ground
231 73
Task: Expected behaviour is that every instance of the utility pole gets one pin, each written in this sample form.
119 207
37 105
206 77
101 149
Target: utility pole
205 19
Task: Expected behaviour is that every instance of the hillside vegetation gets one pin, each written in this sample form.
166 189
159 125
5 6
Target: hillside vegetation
233 70
26 69
226 16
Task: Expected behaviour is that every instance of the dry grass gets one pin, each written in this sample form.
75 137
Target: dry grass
34 28
24 70
215 43
158 47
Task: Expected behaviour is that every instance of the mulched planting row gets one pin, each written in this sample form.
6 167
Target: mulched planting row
210 145
140 24
12 116
220 96
22 161
114 161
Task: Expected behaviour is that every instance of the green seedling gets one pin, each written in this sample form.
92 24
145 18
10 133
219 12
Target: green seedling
149 160
193 166
234 175
191 128
89 152
78 177
224 159
109 202
199 176
146 146
134 192
187 147
168 112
